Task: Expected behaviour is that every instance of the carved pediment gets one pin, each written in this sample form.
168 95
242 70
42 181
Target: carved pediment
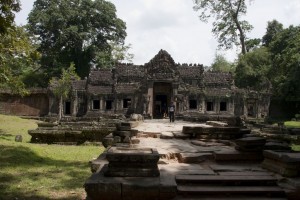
161 66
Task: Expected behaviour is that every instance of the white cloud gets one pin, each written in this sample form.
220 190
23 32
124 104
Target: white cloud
173 25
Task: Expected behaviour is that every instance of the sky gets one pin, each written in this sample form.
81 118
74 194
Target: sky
174 26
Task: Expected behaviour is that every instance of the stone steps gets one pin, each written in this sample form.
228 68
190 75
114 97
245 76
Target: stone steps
227 180
221 187
228 198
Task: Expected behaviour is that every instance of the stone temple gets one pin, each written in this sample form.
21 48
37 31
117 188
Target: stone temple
150 88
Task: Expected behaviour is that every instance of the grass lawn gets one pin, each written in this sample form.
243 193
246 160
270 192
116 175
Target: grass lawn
292 124
40 171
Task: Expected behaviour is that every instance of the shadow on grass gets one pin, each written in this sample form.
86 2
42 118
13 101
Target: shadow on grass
20 165
5 136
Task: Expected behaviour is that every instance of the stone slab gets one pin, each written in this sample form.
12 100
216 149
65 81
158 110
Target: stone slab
277 146
251 141
194 157
180 135
236 168
234 155
281 168
206 144
166 135
216 123
132 155
287 157
236 190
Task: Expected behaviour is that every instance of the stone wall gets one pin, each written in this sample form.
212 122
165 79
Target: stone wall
35 104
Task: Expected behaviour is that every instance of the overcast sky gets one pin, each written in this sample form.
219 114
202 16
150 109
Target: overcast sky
174 26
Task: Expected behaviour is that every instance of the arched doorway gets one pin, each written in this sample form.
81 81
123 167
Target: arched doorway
162 94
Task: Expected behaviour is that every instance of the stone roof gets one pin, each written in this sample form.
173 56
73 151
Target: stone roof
219 78
98 89
129 73
101 76
79 85
126 88
190 71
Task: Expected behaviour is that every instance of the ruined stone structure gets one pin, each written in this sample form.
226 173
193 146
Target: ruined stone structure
146 89
149 89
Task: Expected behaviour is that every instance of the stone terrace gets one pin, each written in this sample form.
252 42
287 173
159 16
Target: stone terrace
193 168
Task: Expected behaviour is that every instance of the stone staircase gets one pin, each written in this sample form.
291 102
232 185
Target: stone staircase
225 187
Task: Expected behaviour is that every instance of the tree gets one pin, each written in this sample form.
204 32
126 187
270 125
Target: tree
252 70
285 71
18 57
78 31
220 64
252 44
7 16
273 28
62 87
227 26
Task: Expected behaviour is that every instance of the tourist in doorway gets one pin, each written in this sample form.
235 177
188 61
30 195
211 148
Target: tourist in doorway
171 112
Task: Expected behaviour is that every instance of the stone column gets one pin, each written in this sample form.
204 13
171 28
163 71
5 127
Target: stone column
101 103
150 98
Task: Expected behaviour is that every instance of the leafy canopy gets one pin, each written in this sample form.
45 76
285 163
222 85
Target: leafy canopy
228 27
7 16
78 31
18 58
220 64
62 86
252 70
285 56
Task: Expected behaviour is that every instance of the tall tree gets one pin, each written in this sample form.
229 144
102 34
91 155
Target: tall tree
61 87
18 58
285 72
78 31
273 28
228 26
252 70
7 16
221 64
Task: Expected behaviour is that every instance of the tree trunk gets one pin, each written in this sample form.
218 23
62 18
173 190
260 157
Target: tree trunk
238 25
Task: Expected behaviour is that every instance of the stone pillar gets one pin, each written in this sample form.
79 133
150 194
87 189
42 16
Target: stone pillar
74 104
150 99
101 103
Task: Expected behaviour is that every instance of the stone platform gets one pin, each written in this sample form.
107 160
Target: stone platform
185 162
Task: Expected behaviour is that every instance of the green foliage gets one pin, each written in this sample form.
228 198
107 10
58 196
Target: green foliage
228 26
7 16
220 64
18 57
39 171
61 88
252 44
252 70
78 31
273 28
285 71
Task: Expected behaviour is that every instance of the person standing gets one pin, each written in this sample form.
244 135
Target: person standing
171 112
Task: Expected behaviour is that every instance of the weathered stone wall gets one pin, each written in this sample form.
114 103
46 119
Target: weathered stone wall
32 105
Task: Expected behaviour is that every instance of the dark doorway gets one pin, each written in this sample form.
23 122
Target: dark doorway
162 93
160 109
67 108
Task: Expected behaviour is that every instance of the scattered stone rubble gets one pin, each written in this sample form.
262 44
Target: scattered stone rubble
195 166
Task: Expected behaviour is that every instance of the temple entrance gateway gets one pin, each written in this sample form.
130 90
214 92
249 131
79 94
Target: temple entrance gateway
162 93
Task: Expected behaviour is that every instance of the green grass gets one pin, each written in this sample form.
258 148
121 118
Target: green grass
40 171
292 124
296 147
